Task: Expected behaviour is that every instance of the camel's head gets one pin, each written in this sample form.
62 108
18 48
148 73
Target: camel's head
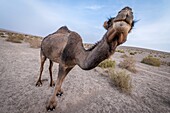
119 26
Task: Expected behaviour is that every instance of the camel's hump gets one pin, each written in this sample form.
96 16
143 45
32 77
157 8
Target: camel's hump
63 29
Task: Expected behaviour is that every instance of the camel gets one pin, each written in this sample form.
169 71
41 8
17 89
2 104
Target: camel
66 48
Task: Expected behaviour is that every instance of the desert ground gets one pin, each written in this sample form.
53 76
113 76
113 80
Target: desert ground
84 91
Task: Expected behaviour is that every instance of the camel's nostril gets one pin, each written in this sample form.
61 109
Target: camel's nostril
127 15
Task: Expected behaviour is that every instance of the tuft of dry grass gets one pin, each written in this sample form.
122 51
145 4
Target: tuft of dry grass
165 63
87 46
122 80
162 56
34 41
150 60
129 64
124 56
1 34
15 38
168 63
107 64
120 51
133 53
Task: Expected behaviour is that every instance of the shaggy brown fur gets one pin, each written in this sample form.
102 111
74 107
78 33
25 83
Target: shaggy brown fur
66 48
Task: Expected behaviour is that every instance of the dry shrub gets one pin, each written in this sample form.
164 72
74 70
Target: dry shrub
107 64
150 60
87 46
155 55
122 80
168 63
133 53
124 56
165 63
162 56
35 42
1 34
120 51
16 38
150 55
27 39
140 52
129 64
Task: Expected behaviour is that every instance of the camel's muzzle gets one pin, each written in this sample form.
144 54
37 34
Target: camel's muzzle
120 26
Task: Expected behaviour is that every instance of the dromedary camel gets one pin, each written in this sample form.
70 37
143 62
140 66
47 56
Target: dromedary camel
66 48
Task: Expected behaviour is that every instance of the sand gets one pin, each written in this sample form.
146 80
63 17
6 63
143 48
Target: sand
84 91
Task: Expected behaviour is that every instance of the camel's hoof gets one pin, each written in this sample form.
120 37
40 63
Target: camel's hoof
52 84
59 93
50 109
51 106
39 83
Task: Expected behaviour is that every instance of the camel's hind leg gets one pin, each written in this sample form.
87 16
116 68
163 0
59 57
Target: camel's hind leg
51 77
63 71
42 58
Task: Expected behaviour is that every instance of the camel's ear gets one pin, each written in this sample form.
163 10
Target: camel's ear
105 25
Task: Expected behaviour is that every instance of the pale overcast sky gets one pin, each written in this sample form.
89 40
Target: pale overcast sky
42 17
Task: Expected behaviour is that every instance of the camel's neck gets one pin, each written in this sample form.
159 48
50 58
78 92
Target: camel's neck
88 59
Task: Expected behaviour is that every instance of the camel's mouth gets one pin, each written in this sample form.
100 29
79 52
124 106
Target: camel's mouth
127 22
123 25
118 27
125 15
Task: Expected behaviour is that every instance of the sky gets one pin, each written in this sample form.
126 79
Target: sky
86 17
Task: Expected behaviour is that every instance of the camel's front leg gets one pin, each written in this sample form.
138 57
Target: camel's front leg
59 90
63 71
